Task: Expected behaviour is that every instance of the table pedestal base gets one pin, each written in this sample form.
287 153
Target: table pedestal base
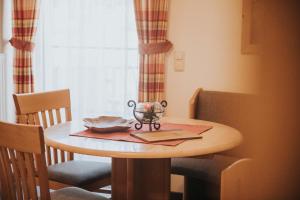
141 179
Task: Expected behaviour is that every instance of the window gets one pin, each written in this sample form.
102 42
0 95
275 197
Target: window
89 46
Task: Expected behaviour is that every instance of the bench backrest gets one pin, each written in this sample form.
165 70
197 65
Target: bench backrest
232 109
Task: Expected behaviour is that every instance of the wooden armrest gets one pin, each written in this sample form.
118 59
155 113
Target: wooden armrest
193 103
236 180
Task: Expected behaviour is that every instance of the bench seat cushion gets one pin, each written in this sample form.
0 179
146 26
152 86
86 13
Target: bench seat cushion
204 169
79 173
73 193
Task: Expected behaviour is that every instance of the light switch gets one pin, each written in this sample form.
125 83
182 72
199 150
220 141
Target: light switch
179 61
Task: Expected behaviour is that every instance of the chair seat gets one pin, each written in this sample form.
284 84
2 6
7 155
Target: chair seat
73 193
204 169
79 173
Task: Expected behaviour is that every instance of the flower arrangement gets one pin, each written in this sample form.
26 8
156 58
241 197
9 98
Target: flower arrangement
148 113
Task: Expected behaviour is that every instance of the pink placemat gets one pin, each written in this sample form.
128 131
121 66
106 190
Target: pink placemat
125 136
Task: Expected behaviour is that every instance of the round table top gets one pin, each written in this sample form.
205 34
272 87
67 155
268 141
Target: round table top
217 139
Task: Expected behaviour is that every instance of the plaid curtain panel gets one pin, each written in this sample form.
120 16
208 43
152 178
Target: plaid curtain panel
151 20
25 13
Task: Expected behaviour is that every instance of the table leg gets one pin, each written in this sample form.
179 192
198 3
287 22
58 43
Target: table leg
136 179
119 179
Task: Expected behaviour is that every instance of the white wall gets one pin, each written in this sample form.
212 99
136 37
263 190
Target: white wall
209 32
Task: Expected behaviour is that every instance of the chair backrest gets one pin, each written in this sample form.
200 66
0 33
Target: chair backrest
39 108
232 109
45 109
22 159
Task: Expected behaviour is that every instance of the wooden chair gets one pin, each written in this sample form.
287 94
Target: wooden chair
202 176
23 166
47 109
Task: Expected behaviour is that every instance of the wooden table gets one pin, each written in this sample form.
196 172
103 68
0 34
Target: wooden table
142 171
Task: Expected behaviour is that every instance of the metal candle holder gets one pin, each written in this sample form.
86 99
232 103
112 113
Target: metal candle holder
148 116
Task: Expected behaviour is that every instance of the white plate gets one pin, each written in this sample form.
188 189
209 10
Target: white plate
107 124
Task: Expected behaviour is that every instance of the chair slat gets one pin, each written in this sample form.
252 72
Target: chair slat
70 156
55 155
44 119
58 116
68 114
49 159
31 176
42 177
35 165
37 119
16 174
23 173
1 183
7 175
62 156
5 191
51 118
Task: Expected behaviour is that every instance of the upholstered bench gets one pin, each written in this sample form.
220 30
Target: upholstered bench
203 175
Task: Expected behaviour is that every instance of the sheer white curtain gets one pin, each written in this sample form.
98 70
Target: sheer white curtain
7 111
89 46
